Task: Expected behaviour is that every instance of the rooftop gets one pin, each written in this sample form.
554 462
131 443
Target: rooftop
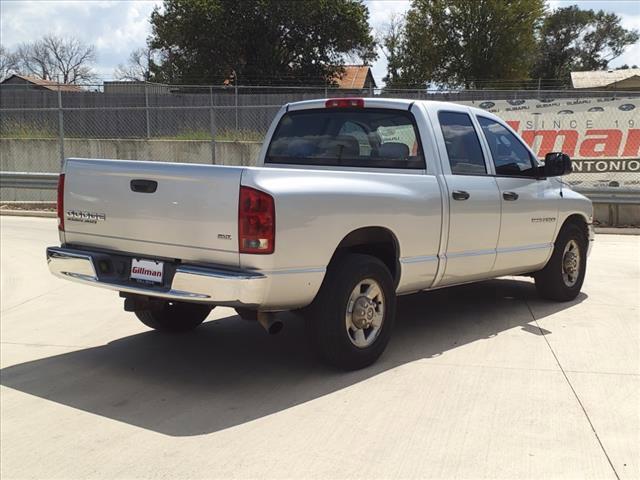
605 78
48 84
355 77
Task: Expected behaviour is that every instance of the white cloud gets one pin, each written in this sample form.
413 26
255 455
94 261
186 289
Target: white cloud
631 55
114 27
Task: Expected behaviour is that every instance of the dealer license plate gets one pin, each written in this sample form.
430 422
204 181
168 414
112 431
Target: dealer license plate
148 270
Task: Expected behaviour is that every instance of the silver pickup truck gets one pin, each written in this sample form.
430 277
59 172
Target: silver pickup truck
353 202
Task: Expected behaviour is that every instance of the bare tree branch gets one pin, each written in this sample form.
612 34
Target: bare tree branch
34 59
64 59
72 58
8 63
137 66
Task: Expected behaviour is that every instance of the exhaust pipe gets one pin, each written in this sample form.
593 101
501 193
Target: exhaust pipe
269 322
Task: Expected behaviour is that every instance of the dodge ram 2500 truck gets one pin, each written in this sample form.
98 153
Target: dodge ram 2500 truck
353 201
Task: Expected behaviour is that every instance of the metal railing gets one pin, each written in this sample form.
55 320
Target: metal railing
29 180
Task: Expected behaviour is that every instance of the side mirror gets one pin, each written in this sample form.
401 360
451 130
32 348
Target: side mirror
557 164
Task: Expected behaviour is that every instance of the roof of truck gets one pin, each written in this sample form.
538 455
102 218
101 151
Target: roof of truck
381 102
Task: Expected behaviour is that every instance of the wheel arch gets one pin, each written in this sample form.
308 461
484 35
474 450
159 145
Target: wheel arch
578 219
377 241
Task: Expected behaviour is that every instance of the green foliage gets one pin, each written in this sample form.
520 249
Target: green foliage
493 43
20 130
222 136
258 42
572 39
468 42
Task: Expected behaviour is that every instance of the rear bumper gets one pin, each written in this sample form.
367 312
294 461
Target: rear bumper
189 283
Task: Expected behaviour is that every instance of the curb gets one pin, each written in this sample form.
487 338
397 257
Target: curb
618 230
27 213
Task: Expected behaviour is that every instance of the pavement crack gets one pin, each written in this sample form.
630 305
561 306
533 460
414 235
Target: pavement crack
575 394
12 307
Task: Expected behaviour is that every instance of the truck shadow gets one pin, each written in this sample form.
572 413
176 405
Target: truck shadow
229 372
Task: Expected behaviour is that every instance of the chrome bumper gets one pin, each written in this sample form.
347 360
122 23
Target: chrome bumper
190 282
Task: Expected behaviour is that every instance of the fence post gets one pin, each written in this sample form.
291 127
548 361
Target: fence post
212 126
146 110
236 89
60 127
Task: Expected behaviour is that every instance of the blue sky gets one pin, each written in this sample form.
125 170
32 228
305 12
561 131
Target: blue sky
116 27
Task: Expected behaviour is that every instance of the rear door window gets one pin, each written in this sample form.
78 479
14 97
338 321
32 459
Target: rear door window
463 147
375 138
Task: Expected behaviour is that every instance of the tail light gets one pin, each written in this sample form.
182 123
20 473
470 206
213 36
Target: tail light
344 103
60 203
256 221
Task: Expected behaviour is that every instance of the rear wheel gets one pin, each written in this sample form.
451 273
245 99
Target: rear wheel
351 319
561 279
174 317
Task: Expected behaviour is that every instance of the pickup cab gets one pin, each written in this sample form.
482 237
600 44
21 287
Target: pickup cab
353 201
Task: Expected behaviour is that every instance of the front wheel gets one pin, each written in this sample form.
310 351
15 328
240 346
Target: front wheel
351 319
174 317
561 279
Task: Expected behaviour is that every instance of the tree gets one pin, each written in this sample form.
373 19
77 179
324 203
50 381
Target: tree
573 39
137 67
34 59
390 42
63 59
258 42
471 43
8 63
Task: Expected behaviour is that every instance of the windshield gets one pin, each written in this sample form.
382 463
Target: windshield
378 138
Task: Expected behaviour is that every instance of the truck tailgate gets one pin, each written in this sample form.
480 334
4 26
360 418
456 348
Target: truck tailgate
190 215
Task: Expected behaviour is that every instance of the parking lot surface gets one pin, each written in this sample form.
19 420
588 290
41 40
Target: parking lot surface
479 381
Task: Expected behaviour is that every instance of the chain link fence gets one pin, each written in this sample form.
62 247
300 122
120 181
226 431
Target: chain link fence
225 125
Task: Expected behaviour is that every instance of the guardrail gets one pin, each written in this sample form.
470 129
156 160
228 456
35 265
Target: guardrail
31 180
49 181
615 196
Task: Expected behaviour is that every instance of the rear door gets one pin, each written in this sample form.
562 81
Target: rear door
529 204
474 203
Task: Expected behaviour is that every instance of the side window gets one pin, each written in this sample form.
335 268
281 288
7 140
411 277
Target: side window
463 146
510 156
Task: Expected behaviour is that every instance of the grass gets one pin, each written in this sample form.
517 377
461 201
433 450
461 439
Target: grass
25 131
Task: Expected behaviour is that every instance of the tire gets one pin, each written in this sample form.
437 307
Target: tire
562 278
334 331
175 317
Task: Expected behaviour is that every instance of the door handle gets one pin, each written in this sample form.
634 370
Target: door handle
144 186
510 196
460 195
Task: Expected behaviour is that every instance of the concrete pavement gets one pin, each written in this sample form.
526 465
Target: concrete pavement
480 381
